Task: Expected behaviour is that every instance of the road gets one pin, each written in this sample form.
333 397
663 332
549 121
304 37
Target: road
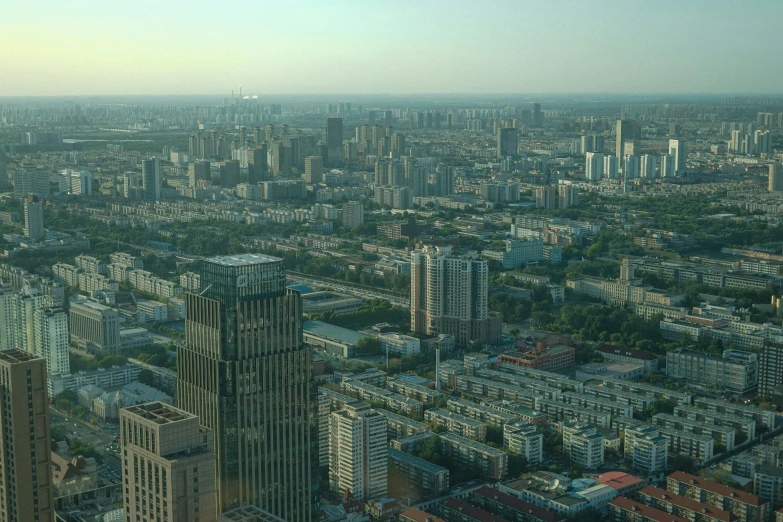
88 434
365 292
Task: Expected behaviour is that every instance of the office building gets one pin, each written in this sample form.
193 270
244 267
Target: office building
334 142
538 115
150 179
33 217
51 339
449 295
775 177
26 492
246 373
736 371
770 368
257 164
314 169
358 460
29 180
229 173
199 171
353 214
507 142
678 150
95 328
746 506
168 466
594 166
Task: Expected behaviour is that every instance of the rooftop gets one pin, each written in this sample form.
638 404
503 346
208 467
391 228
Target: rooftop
689 504
415 461
645 511
519 505
626 352
248 513
331 331
158 412
243 260
470 511
715 487
417 515
16 356
618 479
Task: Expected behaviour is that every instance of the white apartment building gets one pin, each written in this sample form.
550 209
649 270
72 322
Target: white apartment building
399 344
51 339
646 448
358 458
524 439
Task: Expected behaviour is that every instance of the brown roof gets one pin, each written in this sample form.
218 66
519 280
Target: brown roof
470 511
618 479
689 504
646 511
62 469
626 352
519 505
726 491
417 515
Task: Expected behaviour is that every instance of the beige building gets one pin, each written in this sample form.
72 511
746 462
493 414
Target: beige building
168 465
449 295
94 327
26 492
358 460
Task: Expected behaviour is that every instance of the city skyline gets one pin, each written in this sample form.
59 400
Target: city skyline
346 47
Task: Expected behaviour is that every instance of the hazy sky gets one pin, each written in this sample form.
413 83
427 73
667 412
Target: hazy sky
56 47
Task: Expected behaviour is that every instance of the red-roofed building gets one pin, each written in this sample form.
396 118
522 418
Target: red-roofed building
628 355
626 510
624 483
746 506
551 359
413 514
511 507
455 510
683 506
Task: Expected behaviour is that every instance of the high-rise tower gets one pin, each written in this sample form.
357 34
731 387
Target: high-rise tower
33 217
150 179
334 142
25 456
246 373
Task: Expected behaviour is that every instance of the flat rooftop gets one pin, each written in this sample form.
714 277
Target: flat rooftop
331 331
16 356
159 412
243 259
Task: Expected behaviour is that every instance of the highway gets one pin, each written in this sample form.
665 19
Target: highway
365 292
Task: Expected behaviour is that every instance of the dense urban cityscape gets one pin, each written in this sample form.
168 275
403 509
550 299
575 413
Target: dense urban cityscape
246 307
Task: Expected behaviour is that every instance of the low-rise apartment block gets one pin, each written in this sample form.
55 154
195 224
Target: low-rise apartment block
735 371
429 479
561 411
684 507
646 449
722 434
414 391
523 438
391 400
744 411
457 423
471 454
481 412
745 506
623 509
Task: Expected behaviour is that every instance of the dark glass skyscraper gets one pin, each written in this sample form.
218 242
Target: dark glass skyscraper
334 142
246 373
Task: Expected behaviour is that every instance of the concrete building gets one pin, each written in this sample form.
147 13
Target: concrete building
745 506
352 214
584 445
358 459
488 460
334 142
457 423
429 479
150 179
218 376
506 142
399 344
25 453
51 339
770 368
449 295
33 217
678 150
594 166
768 485
523 438
313 169
775 177
95 328
168 444
622 509
736 371
646 449
684 507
